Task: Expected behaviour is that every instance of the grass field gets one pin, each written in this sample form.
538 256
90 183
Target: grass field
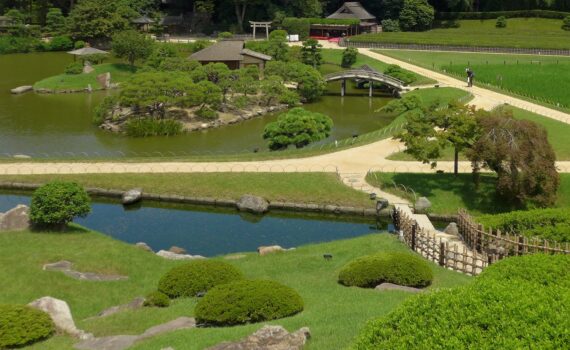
323 188
335 314
119 73
557 136
539 78
520 33
448 193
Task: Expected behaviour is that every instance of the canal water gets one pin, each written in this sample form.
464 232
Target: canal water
36 124
209 231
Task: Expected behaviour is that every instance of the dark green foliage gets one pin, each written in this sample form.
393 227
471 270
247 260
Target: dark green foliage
518 303
566 23
13 44
106 109
57 203
199 45
22 325
173 64
390 25
79 44
397 72
311 53
247 301
416 15
132 45
99 20
297 127
161 52
207 113
55 22
144 127
60 43
501 22
74 68
157 299
311 84
290 98
225 35
551 224
197 276
399 268
349 56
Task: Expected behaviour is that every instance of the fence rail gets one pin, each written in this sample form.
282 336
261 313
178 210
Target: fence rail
452 48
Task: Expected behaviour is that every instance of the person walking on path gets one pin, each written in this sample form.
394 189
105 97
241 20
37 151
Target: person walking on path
470 76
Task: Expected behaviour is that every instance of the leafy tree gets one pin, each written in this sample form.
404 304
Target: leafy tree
178 64
246 83
16 16
204 94
57 203
272 88
519 152
220 75
161 52
55 22
311 53
390 25
132 45
501 22
277 46
349 56
99 19
297 127
416 15
310 82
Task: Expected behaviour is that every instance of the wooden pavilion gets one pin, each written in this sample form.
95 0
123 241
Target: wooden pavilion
232 53
364 22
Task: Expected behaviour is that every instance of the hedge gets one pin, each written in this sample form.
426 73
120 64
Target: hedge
497 14
398 268
518 303
197 277
22 325
247 301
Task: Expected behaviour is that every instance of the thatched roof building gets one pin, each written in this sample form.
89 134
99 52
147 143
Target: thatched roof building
231 52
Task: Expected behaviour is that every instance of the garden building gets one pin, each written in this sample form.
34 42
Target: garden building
143 23
232 53
6 21
351 19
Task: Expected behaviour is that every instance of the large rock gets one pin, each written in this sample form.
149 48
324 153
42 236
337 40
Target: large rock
88 69
137 303
264 250
391 286
422 205
253 204
66 267
22 89
132 196
16 219
173 256
177 250
60 313
104 80
269 338
144 246
452 229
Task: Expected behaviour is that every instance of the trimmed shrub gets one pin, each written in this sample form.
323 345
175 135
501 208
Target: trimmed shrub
501 22
399 268
157 299
566 23
57 203
144 127
74 68
247 301
399 73
517 303
349 56
79 44
197 277
22 325
60 43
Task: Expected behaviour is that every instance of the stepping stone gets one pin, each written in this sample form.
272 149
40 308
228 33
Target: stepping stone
137 303
65 267
391 286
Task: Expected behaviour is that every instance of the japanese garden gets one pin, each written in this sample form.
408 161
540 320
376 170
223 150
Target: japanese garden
304 174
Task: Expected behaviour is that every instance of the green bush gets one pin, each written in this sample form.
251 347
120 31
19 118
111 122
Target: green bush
247 301
566 23
290 98
13 44
207 113
501 22
157 299
397 72
60 43
74 68
518 303
225 35
196 277
399 268
144 127
57 203
349 56
79 44
390 25
22 325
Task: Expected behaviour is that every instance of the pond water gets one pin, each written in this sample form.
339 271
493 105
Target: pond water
210 231
38 124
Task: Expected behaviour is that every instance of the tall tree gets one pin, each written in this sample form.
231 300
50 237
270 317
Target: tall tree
311 53
132 45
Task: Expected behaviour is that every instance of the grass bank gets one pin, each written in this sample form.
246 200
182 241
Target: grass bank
321 188
335 314
119 73
539 33
448 193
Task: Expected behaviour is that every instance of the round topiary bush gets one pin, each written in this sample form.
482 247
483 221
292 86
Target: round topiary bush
158 299
57 203
399 268
197 276
22 325
247 301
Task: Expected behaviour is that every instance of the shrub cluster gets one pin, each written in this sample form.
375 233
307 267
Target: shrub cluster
397 72
507 14
22 325
551 224
566 23
25 44
390 25
157 299
57 203
398 268
143 127
518 303
247 301
501 22
74 68
196 277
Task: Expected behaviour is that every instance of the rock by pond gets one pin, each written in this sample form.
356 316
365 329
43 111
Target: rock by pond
173 256
21 89
16 219
253 204
132 196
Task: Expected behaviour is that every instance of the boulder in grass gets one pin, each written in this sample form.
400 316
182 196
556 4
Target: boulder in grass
253 204
132 196
173 256
144 246
269 337
422 205
60 314
16 219
392 286
264 250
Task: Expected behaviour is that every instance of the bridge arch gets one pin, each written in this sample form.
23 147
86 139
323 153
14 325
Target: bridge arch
365 73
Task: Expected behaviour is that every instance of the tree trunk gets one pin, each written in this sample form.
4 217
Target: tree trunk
456 162
240 13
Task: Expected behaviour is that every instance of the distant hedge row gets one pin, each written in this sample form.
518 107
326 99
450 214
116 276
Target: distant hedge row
302 26
497 14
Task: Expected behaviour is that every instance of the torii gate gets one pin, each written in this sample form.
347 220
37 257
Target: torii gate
256 25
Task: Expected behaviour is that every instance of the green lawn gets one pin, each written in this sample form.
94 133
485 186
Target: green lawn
335 314
557 136
448 193
320 188
335 57
538 78
520 33
119 73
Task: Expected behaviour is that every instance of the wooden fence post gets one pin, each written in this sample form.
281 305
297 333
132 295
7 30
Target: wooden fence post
414 232
521 245
442 254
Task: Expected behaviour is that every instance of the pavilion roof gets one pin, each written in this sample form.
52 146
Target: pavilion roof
352 10
86 51
142 20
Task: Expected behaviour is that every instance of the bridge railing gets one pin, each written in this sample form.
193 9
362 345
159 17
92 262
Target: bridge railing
364 74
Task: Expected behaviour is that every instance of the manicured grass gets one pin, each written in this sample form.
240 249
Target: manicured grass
557 136
334 313
538 33
335 56
448 193
323 188
538 78
119 73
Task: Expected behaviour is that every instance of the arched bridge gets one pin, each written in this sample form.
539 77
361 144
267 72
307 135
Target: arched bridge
365 73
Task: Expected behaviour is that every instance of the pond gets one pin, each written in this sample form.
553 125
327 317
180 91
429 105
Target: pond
210 231
36 124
